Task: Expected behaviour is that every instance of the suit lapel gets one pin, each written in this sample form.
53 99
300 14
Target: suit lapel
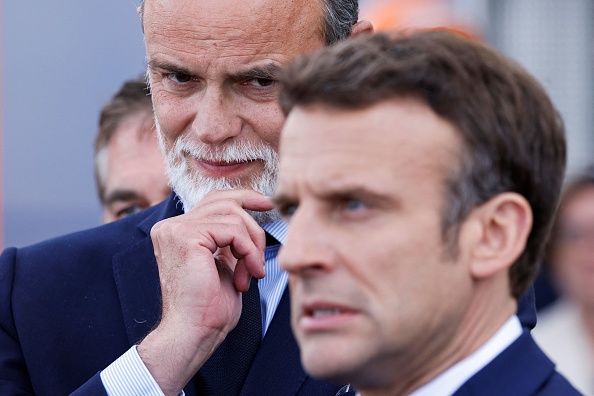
521 369
276 370
137 279
137 276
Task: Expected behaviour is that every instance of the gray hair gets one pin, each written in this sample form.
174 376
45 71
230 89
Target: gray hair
339 18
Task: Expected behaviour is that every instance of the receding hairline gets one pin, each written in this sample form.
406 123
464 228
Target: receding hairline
327 24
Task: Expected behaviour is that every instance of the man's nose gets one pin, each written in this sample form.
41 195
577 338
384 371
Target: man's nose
216 118
304 250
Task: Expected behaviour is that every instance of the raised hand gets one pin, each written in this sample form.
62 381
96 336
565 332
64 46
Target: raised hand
206 257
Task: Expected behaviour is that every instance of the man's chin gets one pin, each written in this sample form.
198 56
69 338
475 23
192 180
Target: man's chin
191 197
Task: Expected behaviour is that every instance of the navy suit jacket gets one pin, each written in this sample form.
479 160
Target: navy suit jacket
72 305
522 369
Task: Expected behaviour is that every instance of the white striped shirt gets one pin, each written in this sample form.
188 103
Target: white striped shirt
128 376
272 286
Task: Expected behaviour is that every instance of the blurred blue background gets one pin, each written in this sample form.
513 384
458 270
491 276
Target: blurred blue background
62 60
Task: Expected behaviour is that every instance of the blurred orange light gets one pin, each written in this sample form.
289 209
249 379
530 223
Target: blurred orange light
414 14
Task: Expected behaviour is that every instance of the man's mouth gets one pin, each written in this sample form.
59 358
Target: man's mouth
325 316
229 169
225 163
318 313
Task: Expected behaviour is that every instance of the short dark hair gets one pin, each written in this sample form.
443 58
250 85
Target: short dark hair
339 18
132 98
513 137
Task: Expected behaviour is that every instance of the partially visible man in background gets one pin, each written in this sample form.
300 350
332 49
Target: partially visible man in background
129 167
429 167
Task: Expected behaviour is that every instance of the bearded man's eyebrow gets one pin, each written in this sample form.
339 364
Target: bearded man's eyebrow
269 72
169 67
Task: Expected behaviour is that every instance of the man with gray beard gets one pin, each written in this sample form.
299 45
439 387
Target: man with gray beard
167 300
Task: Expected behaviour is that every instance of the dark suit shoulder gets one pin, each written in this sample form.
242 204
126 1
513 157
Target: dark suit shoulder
558 385
60 302
95 240
94 245
522 369
71 271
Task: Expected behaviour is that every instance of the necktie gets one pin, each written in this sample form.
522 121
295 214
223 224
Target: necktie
226 370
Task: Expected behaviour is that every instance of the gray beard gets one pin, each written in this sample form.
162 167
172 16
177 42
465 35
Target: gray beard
192 187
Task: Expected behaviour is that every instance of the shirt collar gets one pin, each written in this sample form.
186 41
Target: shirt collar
454 377
278 229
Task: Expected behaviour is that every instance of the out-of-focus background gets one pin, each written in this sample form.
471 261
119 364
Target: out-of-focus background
61 61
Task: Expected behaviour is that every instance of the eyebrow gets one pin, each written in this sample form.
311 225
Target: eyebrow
349 193
269 71
120 195
354 192
170 67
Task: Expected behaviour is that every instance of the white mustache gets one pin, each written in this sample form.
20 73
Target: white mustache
236 151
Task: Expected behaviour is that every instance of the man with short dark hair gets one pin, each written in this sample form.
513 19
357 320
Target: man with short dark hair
129 168
429 167
159 301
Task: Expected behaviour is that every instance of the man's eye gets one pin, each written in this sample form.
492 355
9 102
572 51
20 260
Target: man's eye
354 204
179 78
130 210
262 82
288 210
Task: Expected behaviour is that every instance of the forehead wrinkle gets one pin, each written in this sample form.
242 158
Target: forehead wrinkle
323 169
228 26
216 50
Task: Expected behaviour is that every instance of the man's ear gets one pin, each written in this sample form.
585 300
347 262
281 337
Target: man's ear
361 27
504 224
